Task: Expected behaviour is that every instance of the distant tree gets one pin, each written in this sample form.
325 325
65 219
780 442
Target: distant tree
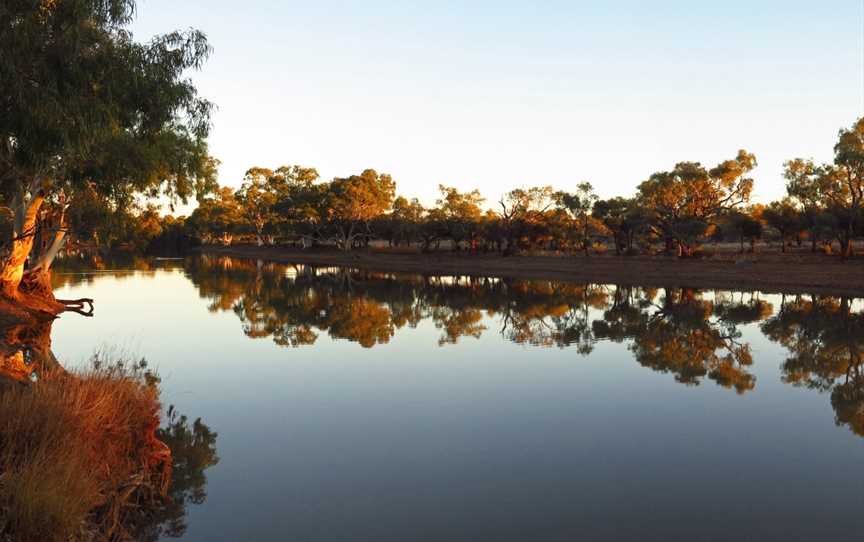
301 207
257 198
743 225
524 215
217 218
624 218
688 199
784 217
460 214
432 229
579 204
353 202
405 219
803 187
836 188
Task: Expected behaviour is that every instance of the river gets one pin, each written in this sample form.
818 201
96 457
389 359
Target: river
350 405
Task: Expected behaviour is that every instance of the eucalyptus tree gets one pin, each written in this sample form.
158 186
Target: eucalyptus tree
217 218
433 228
298 199
353 202
744 226
402 223
84 105
624 219
257 197
461 214
837 188
523 213
784 217
803 189
688 199
579 205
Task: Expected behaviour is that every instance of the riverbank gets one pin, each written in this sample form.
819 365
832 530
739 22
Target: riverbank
80 458
788 273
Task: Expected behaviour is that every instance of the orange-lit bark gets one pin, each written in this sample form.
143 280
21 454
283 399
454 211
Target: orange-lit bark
13 268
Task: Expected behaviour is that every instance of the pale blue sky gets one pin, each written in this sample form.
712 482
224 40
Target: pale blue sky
495 95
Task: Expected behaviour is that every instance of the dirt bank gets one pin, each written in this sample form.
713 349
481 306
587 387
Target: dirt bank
789 273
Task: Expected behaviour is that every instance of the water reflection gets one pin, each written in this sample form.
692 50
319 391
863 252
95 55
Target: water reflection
692 335
25 351
824 337
193 451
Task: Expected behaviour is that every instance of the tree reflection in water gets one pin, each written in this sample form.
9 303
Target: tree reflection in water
692 335
25 351
824 337
193 450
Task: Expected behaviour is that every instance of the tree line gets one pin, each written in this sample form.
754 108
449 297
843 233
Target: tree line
676 211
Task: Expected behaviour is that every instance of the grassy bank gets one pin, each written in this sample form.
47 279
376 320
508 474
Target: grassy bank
769 272
79 457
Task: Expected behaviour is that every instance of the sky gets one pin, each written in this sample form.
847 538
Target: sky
499 95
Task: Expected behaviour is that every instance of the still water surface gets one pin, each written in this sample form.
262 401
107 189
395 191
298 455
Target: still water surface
364 406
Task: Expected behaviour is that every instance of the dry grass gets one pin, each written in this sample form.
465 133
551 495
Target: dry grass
78 453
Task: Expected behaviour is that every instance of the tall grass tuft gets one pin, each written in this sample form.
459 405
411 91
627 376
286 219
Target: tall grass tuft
78 453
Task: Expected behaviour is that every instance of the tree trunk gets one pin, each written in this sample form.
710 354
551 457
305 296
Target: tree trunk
47 257
37 279
38 283
847 243
585 239
25 232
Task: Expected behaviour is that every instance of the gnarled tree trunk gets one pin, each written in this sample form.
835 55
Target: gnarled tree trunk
37 278
27 289
24 232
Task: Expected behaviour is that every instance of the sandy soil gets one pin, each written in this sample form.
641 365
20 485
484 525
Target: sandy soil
800 272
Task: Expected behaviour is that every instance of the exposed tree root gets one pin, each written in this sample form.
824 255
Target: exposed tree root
77 305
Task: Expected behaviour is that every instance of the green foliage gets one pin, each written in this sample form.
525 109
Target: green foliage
832 195
624 218
459 214
216 218
90 116
84 103
784 217
579 205
743 226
